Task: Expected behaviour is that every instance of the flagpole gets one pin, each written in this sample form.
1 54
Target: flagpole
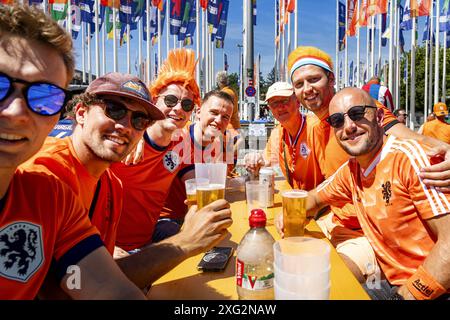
83 51
430 69
407 88
116 65
167 28
97 39
69 17
295 25
140 40
367 52
346 46
413 75
104 45
436 57
128 49
391 48
372 46
207 57
148 52
426 76
158 12
275 37
197 40
379 45
89 53
213 52
203 52
283 49
358 48
397 58
444 69
337 45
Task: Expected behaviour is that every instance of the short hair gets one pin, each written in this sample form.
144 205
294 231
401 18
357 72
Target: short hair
31 23
219 94
222 78
397 111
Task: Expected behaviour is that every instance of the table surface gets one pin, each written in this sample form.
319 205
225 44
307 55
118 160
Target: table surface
185 282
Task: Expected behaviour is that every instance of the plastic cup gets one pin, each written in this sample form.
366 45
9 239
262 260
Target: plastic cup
191 189
257 194
216 173
302 284
294 212
283 294
302 255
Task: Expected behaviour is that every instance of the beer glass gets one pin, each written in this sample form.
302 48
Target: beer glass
191 189
294 212
209 193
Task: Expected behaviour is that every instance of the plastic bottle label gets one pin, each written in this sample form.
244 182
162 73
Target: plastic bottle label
249 282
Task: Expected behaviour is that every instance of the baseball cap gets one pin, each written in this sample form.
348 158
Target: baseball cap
279 89
305 55
127 86
440 109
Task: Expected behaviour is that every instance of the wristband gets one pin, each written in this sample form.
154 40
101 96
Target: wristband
423 286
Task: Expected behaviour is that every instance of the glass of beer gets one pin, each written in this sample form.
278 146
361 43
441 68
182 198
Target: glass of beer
209 193
191 189
294 212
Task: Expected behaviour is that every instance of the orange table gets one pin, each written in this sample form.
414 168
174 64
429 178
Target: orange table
186 283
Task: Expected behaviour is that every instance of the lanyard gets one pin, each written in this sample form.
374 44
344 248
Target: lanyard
290 169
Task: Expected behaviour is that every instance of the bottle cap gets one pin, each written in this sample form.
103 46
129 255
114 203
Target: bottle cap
257 218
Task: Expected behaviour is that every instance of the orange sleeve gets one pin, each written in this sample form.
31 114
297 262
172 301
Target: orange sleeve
271 151
337 189
389 118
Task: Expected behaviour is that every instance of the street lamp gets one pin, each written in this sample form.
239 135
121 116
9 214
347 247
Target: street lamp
240 46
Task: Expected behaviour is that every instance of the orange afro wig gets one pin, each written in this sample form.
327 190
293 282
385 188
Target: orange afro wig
179 68
308 55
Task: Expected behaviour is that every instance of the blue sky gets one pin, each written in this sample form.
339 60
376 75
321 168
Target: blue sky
316 27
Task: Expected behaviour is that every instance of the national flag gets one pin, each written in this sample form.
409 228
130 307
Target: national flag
291 6
254 12
58 11
36 3
131 11
7 2
340 70
376 7
154 12
204 4
222 28
363 14
352 17
176 15
444 18
215 8
57 1
156 65
341 26
420 8
383 29
75 13
225 62
350 75
427 32
110 3
189 17
406 22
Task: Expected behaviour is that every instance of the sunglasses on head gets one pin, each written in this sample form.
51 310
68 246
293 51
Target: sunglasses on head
171 101
356 113
117 111
43 98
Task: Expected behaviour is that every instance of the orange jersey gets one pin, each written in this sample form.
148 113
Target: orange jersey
299 159
145 188
59 157
40 220
174 207
437 129
334 157
391 204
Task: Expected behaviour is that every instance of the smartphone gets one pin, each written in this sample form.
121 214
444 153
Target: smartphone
215 259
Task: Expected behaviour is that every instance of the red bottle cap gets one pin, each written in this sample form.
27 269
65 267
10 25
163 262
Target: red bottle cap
257 218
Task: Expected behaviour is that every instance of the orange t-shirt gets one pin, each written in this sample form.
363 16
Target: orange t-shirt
59 157
174 207
437 129
40 220
145 188
334 157
391 204
301 155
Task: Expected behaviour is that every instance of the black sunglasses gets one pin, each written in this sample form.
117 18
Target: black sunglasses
117 111
43 98
171 101
356 113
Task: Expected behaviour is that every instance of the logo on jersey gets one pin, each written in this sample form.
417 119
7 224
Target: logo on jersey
304 150
171 161
20 250
387 193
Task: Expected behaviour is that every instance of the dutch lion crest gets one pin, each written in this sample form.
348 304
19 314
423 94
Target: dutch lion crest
20 250
171 161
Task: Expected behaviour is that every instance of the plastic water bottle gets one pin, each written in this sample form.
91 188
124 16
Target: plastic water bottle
254 261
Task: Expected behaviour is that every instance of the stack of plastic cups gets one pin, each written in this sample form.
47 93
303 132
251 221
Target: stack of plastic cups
302 269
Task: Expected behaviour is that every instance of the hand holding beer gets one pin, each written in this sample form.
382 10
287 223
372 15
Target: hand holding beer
216 174
209 193
191 189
